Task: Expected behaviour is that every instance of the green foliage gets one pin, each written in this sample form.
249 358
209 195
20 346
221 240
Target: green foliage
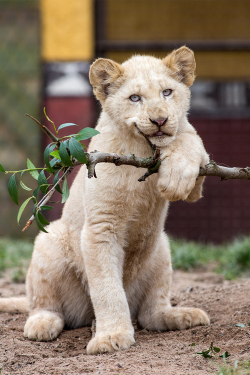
65 191
213 351
22 209
32 169
237 368
62 153
231 259
15 254
38 222
66 125
77 151
42 182
86 133
12 187
187 255
235 258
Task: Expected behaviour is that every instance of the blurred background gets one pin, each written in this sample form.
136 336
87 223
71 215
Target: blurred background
46 48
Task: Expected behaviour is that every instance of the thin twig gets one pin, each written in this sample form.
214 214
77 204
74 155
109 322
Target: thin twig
47 197
152 146
44 129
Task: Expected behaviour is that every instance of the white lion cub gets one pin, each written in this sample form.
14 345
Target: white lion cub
108 256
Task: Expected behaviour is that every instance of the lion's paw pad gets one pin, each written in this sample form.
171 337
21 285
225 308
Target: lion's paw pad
44 326
182 318
110 343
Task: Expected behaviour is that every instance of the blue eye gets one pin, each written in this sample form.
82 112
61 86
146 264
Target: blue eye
135 98
167 92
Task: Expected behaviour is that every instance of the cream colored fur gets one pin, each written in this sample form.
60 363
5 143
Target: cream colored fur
108 256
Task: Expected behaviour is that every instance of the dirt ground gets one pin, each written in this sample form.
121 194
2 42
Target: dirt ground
227 303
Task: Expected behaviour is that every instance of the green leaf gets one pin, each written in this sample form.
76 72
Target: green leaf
240 325
64 155
54 161
34 173
77 151
66 143
66 125
225 355
2 168
47 152
86 133
65 191
20 212
217 350
12 187
193 344
42 182
55 181
35 192
46 207
24 186
55 154
42 218
39 224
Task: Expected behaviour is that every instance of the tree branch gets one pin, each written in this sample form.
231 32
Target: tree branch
225 173
44 129
152 165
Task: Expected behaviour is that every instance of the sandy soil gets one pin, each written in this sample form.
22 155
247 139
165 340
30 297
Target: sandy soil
227 303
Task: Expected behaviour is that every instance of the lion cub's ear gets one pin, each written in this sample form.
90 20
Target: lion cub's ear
181 63
105 77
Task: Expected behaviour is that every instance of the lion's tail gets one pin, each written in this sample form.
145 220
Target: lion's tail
14 304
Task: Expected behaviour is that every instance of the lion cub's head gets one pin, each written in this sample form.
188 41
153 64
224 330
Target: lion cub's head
146 91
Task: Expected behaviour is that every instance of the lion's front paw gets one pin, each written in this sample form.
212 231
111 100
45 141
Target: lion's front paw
43 326
185 317
176 183
109 343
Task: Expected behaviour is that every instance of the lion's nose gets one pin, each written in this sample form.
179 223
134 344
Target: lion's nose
159 121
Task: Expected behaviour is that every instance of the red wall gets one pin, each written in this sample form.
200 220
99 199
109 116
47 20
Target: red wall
224 212
80 111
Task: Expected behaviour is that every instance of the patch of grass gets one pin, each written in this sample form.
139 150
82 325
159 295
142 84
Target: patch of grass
237 368
232 259
15 254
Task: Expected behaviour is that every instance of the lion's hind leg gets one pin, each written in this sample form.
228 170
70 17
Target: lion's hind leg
46 320
43 325
45 274
156 312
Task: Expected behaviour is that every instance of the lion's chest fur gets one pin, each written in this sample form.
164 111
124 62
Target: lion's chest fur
116 206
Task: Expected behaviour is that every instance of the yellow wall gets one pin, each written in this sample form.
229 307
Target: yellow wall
210 65
178 19
184 20
67 30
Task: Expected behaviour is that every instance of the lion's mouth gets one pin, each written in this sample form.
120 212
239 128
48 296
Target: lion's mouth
160 134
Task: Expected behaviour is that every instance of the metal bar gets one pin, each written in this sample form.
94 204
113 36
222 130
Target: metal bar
100 25
204 45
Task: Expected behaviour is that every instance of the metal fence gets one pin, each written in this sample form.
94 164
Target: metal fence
19 94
